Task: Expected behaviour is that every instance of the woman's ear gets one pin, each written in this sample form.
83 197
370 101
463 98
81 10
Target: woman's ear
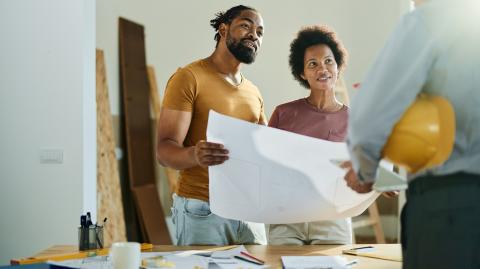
303 76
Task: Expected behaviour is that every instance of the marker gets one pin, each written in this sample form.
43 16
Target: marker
83 231
89 219
83 221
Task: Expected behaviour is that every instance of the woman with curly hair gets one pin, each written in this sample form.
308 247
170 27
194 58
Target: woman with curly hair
316 59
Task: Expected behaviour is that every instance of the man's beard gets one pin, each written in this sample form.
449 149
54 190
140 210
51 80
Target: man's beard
241 52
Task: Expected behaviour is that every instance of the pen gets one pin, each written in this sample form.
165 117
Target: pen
248 260
252 257
98 238
353 262
361 248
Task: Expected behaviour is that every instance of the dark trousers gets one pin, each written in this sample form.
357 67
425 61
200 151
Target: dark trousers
441 222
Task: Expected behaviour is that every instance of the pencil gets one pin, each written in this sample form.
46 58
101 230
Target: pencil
252 257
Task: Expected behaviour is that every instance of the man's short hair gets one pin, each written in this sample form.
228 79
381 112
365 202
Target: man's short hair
311 36
227 17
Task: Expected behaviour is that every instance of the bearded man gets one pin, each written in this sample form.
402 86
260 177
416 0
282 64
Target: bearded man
211 83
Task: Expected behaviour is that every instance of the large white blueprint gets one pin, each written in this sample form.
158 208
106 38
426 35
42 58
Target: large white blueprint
274 176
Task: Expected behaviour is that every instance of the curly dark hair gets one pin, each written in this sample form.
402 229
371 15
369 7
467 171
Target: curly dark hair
227 17
311 36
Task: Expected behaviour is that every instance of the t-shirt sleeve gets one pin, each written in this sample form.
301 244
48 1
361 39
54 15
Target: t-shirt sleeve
180 91
274 119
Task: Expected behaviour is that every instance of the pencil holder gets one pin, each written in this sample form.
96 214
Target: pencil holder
90 237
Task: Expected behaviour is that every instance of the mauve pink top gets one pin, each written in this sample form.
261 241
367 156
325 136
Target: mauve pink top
302 118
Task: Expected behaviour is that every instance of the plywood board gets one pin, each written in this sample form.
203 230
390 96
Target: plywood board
109 195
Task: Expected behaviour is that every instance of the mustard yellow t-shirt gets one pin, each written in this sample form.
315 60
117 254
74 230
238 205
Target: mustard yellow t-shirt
197 88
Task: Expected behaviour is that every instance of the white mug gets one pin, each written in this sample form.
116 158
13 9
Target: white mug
125 255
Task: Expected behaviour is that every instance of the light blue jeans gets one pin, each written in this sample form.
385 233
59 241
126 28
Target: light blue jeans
197 225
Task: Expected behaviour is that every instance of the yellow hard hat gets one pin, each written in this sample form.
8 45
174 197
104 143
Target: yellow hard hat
424 136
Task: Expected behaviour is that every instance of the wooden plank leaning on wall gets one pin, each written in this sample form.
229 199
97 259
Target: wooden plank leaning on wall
109 195
136 105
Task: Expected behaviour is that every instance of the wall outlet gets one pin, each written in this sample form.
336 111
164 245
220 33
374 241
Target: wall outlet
51 156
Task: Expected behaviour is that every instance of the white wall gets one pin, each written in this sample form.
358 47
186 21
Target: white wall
47 95
178 32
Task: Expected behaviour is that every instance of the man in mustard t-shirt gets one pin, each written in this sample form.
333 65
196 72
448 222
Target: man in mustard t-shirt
211 83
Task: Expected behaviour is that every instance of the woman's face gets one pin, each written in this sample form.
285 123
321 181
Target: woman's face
320 68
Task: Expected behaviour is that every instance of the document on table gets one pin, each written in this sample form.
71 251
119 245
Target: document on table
274 176
327 262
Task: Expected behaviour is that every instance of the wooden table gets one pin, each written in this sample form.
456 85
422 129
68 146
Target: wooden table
272 254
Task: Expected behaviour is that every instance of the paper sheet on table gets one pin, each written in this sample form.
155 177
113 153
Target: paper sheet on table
97 262
274 176
297 262
220 259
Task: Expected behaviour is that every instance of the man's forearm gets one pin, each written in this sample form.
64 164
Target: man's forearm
171 154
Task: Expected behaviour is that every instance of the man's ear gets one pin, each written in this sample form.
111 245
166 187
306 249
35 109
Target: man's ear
303 76
222 30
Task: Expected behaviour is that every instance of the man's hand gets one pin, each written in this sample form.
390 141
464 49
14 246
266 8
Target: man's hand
208 153
353 182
